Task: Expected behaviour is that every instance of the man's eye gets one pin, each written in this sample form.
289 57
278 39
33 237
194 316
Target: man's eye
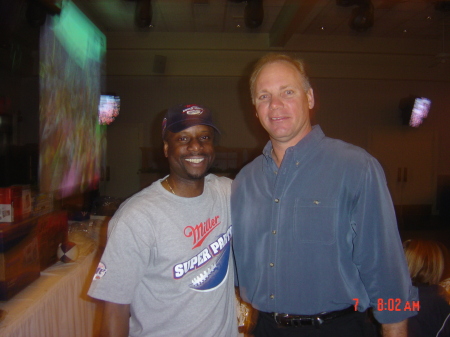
262 97
182 139
289 92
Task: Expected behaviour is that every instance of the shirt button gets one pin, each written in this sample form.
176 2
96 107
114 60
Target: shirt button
272 296
277 200
271 264
274 232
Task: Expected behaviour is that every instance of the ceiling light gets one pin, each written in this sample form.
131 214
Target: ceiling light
254 13
442 6
362 17
144 13
347 3
37 10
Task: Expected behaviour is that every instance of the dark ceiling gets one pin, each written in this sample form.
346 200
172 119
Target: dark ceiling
418 20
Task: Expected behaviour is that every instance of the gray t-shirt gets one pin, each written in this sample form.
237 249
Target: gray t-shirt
170 258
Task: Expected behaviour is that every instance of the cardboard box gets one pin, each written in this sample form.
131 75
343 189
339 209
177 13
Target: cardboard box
42 203
26 205
52 229
19 256
10 201
15 203
6 213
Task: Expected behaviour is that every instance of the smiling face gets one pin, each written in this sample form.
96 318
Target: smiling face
190 152
282 104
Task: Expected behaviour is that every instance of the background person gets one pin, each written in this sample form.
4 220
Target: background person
426 265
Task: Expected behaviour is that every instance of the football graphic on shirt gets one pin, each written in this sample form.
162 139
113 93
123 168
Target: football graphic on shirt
215 274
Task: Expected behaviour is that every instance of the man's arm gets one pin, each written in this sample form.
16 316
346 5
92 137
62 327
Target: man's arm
395 329
115 320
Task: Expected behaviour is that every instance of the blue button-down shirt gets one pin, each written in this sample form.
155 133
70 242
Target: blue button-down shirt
319 232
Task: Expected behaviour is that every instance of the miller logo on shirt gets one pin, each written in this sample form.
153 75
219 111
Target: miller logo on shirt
100 271
201 231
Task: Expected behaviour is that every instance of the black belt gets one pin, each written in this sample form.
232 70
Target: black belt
316 320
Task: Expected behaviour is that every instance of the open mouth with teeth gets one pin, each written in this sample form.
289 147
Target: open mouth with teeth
195 160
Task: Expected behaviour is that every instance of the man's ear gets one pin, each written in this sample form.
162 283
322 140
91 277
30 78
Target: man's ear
166 149
310 95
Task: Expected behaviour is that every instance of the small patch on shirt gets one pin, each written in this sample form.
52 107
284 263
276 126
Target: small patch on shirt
316 202
100 272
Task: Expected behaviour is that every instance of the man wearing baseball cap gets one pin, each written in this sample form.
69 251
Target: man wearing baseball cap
167 269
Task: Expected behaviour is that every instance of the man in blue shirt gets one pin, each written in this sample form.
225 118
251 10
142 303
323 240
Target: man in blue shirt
315 236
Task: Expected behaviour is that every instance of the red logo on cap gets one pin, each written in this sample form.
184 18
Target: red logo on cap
193 110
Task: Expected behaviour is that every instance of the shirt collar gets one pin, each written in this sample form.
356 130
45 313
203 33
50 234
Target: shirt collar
303 147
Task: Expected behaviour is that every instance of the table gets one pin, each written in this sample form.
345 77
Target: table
56 304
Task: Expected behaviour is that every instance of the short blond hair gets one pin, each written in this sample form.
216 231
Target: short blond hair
425 260
297 63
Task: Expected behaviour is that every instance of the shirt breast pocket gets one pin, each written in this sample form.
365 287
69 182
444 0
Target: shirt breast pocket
315 220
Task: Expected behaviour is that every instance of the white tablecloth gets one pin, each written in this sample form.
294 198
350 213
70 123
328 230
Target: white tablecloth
56 304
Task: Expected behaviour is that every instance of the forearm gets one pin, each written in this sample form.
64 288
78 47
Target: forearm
395 329
115 320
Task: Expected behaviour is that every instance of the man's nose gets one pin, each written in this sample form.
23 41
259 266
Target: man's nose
275 103
195 145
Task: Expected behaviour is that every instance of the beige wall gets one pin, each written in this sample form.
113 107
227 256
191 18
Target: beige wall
346 109
357 83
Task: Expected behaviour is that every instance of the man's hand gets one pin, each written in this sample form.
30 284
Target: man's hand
115 320
399 329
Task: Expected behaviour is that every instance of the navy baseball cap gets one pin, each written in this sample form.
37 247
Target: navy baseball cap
183 116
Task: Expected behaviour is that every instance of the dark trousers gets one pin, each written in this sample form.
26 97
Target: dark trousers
355 324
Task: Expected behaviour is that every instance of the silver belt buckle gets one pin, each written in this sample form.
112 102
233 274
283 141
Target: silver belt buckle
275 316
318 321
